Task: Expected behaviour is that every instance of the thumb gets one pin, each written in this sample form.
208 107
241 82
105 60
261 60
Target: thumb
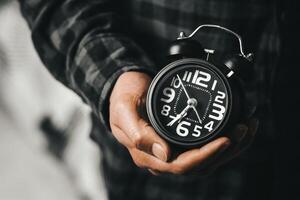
153 144
127 117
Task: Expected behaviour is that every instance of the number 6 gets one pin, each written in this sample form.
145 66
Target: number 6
183 131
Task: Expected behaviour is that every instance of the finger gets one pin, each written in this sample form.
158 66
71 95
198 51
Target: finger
209 166
228 156
197 157
154 172
141 134
121 136
242 145
123 115
156 166
152 143
145 160
243 136
239 133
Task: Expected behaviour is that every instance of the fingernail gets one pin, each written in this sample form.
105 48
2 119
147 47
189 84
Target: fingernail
159 152
154 172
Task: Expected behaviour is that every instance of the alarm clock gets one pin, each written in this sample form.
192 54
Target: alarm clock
194 99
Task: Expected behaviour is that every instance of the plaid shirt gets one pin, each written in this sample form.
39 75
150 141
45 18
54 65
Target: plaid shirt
88 44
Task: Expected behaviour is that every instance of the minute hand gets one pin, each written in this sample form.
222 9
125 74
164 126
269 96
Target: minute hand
193 101
199 119
183 87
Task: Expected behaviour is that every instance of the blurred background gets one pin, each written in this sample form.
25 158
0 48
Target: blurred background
45 148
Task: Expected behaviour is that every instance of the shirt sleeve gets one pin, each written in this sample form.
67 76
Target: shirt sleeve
86 45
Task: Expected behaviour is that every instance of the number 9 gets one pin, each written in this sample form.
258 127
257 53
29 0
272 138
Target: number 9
169 93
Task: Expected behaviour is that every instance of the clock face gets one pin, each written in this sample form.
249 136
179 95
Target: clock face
188 102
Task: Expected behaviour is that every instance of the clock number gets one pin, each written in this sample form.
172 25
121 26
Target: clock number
165 110
187 76
219 112
213 87
197 131
209 126
169 94
175 82
181 130
201 80
218 109
219 98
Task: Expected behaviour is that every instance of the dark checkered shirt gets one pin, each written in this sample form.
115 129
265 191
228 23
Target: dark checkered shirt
88 44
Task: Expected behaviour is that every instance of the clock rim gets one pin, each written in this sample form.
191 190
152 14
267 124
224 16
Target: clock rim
169 67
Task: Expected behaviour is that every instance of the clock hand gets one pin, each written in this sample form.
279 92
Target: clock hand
183 87
177 118
191 102
180 115
194 108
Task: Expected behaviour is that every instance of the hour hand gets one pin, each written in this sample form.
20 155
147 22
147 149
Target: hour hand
179 116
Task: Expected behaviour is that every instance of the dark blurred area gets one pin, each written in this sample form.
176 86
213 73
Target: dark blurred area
45 148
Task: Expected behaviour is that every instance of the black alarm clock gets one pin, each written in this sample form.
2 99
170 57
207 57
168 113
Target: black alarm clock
195 99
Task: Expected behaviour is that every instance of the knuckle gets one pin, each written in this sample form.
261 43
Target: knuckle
137 140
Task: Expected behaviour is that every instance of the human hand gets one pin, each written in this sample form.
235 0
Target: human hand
130 127
128 124
240 139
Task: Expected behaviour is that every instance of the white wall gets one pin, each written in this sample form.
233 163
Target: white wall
27 93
